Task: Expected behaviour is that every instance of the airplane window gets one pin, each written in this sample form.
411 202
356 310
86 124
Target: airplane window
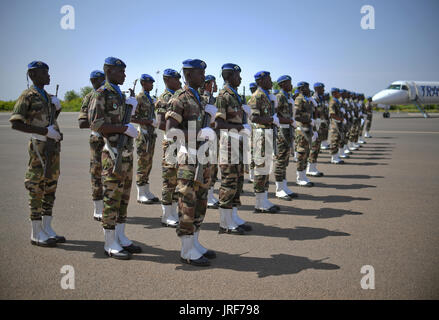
395 87
405 88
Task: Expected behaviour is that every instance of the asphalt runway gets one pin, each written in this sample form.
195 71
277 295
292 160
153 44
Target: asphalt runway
379 209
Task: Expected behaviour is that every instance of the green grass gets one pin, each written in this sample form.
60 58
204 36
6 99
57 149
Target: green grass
69 106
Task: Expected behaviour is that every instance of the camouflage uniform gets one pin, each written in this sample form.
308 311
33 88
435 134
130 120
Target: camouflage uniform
284 138
321 112
336 128
147 136
260 105
356 122
232 175
192 195
169 170
304 110
108 107
96 145
368 109
32 108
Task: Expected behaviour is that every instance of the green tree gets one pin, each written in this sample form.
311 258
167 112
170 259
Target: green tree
70 95
85 90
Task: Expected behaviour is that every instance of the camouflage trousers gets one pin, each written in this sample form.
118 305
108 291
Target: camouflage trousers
41 190
192 198
315 146
144 158
355 131
169 176
117 189
214 168
96 146
347 130
282 159
335 138
368 123
303 148
261 182
252 161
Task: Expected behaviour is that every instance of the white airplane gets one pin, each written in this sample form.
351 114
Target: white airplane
409 92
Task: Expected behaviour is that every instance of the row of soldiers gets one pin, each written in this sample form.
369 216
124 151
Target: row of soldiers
298 123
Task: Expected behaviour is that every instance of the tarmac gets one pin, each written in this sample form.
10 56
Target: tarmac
380 209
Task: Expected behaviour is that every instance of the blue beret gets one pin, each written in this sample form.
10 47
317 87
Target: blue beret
302 84
335 90
261 74
283 78
37 65
96 74
318 84
296 91
342 90
146 77
253 85
112 61
231 66
171 73
194 64
275 91
209 77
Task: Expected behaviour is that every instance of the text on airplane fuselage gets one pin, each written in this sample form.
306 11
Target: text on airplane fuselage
429 91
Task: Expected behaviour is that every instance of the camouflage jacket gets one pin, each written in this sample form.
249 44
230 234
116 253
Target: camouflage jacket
334 109
144 110
32 109
284 106
261 107
229 107
161 105
107 107
322 108
184 107
209 98
304 111
83 113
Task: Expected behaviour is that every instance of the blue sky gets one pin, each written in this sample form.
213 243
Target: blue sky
314 40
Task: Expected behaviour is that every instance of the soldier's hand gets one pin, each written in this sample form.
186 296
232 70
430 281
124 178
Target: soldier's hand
276 120
343 110
247 110
132 101
315 135
52 133
56 102
131 131
211 109
247 129
206 133
344 121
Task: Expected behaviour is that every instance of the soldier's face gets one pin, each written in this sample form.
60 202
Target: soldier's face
320 90
40 76
252 90
116 75
196 78
147 85
97 82
266 83
305 90
235 80
173 83
286 86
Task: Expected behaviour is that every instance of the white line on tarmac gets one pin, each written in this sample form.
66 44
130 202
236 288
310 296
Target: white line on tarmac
420 132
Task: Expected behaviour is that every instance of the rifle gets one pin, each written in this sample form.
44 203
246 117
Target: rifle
244 121
275 132
51 144
199 170
123 138
291 131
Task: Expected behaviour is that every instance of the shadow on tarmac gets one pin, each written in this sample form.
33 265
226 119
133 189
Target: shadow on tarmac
352 176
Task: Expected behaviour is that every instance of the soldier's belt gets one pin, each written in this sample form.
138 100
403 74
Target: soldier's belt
39 137
96 134
284 125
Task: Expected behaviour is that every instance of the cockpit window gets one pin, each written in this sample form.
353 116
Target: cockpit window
405 88
395 87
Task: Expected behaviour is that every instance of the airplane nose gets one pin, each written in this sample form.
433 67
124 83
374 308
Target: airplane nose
383 97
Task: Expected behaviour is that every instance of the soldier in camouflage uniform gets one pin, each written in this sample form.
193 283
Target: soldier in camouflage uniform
306 132
207 93
145 141
35 112
345 109
185 109
356 123
96 145
368 124
362 115
285 138
336 128
172 82
251 168
325 145
321 122
262 118
107 108
231 115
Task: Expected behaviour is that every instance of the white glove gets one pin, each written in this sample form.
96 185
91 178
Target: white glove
206 133
294 124
154 123
272 97
312 122
318 122
343 110
362 121
52 133
56 102
211 109
276 120
352 114
313 101
131 131
247 110
315 135
360 114
344 121
132 101
247 129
